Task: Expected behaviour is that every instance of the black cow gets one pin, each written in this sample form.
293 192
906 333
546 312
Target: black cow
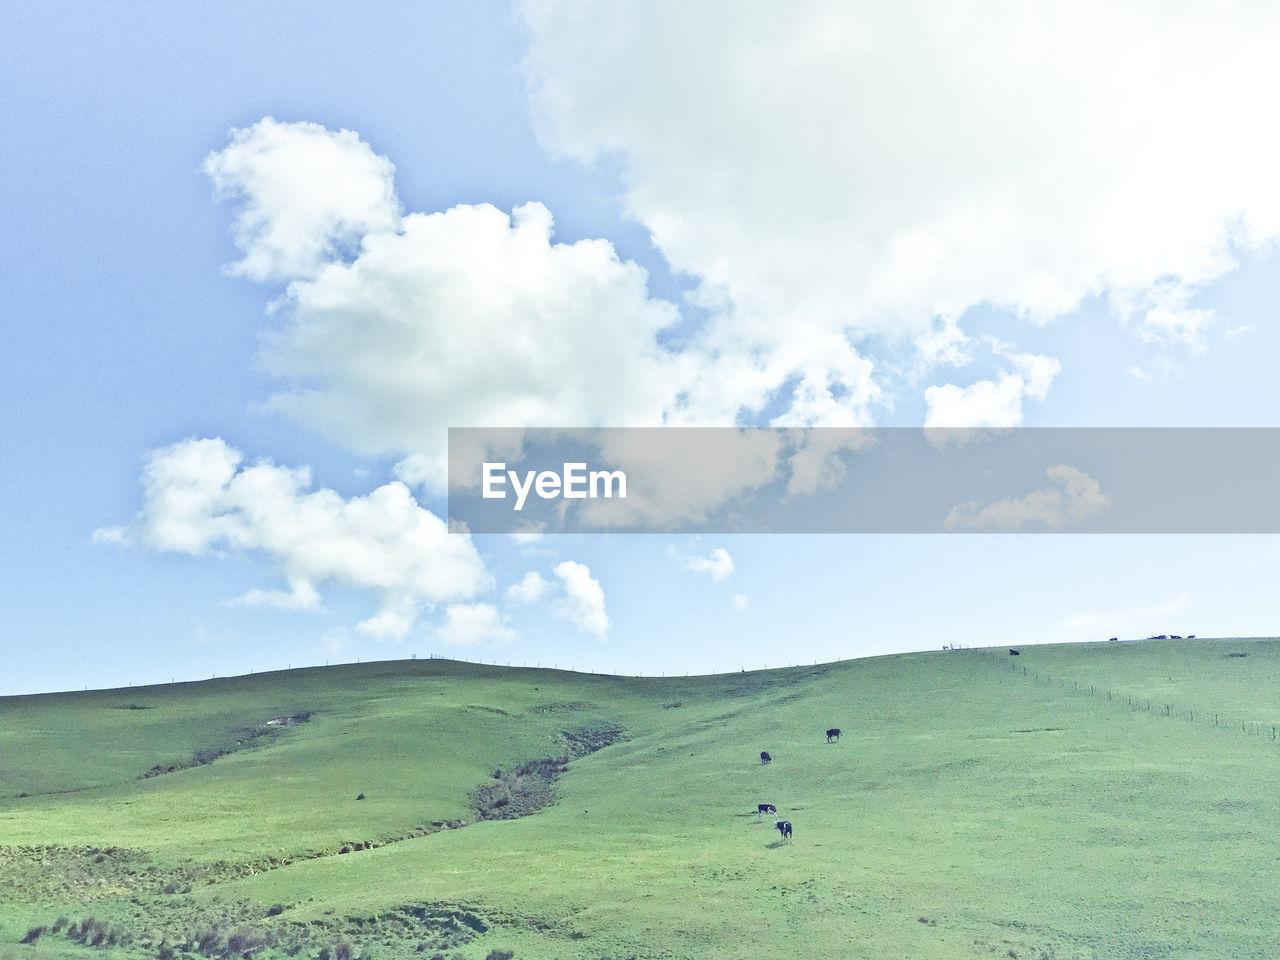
833 734
784 828
763 808
1013 652
764 757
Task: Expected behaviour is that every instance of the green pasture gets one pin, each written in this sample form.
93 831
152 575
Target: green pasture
977 805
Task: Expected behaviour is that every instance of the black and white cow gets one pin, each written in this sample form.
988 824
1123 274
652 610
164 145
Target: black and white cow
764 757
784 828
833 734
763 808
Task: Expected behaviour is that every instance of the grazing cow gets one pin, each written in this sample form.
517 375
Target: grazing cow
1113 640
784 828
1014 653
764 757
763 808
360 797
833 734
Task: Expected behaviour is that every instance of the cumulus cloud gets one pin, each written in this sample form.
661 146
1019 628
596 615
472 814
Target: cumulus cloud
301 595
583 600
531 589
306 196
855 167
473 624
199 497
397 327
1074 497
717 566
992 403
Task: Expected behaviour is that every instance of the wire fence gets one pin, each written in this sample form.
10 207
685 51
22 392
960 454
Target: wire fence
1156 707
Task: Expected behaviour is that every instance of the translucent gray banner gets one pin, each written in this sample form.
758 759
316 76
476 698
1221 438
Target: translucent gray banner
726 480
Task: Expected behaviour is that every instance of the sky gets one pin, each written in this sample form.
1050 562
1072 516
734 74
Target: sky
257 259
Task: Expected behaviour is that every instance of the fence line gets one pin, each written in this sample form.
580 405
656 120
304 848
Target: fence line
1252 728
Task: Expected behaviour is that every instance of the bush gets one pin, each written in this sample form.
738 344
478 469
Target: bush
165 952
499 955
276 910
33 935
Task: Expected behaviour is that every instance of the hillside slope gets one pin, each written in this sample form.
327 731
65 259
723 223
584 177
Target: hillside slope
1099 801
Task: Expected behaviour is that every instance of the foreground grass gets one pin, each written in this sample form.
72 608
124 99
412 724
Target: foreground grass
971 809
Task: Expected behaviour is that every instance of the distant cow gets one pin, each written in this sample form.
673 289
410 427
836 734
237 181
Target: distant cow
1113 640
833 734
763 808
1014 653
360 797
764 757
784 828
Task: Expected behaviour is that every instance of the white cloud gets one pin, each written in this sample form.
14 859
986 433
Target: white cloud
991 403
1074 497
114 536
739 601
583 602
473 624
679 475
200 498
531 589
1170 321
878 166
406 325
718 565
306 196
301 595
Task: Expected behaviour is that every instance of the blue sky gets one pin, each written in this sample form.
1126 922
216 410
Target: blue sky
903 219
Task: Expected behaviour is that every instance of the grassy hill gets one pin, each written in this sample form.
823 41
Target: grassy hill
1086 801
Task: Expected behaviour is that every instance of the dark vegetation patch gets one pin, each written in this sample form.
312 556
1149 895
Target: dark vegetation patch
222 930
241 738
562 706
497 710
52 874
1230 655
528 787
1038 730
134 706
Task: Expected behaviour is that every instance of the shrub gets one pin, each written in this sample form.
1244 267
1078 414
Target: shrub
60 923
165 952
275 910
206 940
33 935
245 941
499 955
